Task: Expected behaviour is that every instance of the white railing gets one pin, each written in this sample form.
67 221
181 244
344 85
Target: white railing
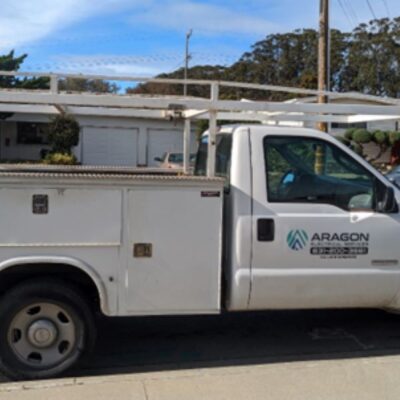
189 108
54 79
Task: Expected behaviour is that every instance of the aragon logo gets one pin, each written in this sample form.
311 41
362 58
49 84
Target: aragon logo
297 239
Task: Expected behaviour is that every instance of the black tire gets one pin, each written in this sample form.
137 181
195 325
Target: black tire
50 318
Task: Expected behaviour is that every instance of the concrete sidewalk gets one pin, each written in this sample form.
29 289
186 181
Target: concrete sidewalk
358 379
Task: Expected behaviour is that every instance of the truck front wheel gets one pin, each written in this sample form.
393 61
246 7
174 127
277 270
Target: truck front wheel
45 327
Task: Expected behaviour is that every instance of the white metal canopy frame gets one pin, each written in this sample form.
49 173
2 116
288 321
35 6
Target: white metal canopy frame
54 101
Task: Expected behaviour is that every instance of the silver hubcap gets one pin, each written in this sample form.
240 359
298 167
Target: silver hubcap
43 334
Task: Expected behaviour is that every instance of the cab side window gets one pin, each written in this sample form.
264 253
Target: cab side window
306 170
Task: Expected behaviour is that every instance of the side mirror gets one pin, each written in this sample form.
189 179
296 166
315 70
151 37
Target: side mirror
157 159
388 204
361 202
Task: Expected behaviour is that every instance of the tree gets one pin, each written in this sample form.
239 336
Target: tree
288 59
199 72
63 133
372 60
9 62
365 60
87 85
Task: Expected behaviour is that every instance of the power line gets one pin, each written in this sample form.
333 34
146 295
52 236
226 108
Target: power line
345 12
371 9
177 66
387 7
84 62
352 10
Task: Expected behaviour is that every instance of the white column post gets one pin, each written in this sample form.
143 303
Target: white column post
212 135
186 146
53 83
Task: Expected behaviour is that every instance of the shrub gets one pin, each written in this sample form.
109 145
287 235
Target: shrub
380 138
60 159
394 137
349 133
356 139
63 133
362 136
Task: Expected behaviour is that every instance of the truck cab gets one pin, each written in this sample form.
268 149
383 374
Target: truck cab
308 223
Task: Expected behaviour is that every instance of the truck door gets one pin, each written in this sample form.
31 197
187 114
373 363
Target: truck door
318 239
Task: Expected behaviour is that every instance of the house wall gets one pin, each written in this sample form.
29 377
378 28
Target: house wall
10 149
146 131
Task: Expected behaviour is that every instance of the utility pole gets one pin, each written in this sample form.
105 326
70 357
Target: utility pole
187 58
323 56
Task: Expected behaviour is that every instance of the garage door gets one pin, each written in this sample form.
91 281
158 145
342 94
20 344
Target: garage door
160 141
110 146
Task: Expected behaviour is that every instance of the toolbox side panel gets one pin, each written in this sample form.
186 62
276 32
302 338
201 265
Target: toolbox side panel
40 217
174 262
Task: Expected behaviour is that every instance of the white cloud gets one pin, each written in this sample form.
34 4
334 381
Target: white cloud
27 21
203 17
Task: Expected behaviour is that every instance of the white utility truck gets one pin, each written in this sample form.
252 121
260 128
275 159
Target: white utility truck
293 220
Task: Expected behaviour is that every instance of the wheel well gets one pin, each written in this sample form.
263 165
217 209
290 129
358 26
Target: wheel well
12 276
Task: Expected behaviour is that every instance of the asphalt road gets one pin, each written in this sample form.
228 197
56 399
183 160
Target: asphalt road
130 345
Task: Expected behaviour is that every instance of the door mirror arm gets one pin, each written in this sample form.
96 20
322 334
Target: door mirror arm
388 204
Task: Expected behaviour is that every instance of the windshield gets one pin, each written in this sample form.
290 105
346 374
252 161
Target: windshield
176 157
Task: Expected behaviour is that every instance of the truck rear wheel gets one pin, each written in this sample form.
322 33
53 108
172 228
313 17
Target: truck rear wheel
45 327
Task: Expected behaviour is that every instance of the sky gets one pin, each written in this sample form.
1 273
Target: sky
147 37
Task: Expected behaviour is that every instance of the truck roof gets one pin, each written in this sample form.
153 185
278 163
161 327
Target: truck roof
275 130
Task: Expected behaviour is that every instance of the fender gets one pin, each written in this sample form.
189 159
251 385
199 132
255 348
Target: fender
73 262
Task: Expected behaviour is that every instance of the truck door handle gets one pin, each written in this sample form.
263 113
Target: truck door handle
265 230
